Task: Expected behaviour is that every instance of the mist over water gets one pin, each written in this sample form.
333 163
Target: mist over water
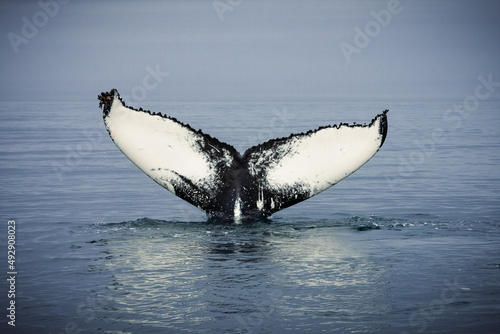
282 50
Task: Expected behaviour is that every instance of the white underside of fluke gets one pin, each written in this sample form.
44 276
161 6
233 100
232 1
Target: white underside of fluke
162 148
321 159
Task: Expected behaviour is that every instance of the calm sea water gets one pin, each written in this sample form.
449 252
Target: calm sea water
410 243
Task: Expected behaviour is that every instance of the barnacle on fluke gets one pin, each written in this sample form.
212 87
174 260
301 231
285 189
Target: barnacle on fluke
213 176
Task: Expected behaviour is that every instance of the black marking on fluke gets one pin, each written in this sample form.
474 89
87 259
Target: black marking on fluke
250 185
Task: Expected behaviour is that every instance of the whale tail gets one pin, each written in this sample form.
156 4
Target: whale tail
213 176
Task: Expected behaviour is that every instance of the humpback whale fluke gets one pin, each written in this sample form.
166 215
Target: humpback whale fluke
213 176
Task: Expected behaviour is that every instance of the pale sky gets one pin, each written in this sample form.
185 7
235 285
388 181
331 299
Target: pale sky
247 50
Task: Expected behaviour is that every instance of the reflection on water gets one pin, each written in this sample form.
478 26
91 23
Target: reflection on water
240 278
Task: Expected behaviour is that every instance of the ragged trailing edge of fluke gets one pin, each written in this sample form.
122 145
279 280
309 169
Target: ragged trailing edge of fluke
382 128
106 101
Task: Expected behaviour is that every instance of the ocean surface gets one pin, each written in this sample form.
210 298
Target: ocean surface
410 243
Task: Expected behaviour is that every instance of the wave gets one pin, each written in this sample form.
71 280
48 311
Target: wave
358 223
